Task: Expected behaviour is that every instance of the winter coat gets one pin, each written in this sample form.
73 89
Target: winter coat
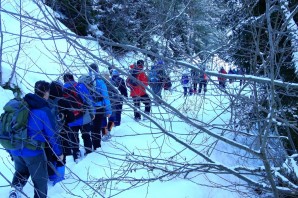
101 88
195 76
222 71
89 110
138 90
119 82
41 127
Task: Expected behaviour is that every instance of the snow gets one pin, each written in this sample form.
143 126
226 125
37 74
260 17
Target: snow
116 169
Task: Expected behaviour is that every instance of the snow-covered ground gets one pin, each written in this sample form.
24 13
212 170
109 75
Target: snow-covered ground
110 170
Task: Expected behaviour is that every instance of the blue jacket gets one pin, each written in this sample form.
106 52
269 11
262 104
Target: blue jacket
41 126
101 88
88 104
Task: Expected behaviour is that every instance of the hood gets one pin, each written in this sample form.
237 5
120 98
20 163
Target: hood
35 102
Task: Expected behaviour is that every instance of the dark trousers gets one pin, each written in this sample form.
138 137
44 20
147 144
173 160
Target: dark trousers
137 103
195 85
96 131
203 83
185 89
222 84
118 112
36 167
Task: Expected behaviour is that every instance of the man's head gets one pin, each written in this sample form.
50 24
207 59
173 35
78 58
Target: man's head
140 64
94 67
42 89
68 77
115 72
56 88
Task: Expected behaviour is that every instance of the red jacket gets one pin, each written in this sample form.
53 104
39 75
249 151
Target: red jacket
139 90
222 71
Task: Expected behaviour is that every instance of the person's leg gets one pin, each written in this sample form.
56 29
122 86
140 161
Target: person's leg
147 102
118 114
96 132
200 87
86 130
74 142
184 91
21 174
137 104
37 166
205 86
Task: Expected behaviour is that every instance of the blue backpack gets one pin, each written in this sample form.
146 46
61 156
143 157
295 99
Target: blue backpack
185 79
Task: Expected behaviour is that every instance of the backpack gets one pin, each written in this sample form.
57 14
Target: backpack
13 126
71 94
185 79
153 76
90 84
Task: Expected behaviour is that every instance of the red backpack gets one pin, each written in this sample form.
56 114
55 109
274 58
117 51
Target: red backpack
71 94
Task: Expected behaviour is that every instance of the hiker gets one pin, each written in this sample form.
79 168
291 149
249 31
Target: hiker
157 77
221 80
32 161
60 109
137 81
203 79
119 83
115 98
82 109
195 75
231 71
185 82
240 71
102 105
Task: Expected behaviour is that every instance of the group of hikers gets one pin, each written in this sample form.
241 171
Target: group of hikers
58 111
198 77
92 105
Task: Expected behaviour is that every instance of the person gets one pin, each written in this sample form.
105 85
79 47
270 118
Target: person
41 127
194 73
101 102
138 90
185 82
240 71
232 71
157 76
83 119
115 98
119 83
60 109
221 80
203 80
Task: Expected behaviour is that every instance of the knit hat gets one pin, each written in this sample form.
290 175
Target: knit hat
41 87
115 72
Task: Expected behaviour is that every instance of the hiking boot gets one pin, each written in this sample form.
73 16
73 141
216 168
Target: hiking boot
106 138
77 156
15 192
137 119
